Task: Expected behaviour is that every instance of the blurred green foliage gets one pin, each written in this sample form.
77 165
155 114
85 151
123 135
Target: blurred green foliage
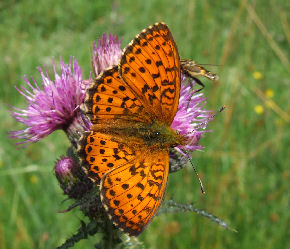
244 163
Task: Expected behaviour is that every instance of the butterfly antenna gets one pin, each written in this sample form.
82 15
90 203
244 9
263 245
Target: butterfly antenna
200 182
195 171
220 110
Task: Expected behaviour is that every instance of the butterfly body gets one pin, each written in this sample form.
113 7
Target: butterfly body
131 107
156 134
160 136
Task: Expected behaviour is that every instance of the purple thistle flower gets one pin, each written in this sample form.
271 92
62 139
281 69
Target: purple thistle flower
54 107
106 54
63 172
191 118
71 178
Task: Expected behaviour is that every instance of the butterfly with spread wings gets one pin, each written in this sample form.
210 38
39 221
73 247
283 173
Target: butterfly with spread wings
131 107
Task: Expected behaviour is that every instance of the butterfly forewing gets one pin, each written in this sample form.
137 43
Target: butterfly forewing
150 66
110 98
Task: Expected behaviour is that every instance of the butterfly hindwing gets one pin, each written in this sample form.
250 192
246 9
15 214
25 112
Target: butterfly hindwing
133 192
100 153
150 65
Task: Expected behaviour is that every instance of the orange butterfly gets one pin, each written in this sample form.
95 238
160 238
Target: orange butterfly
131 107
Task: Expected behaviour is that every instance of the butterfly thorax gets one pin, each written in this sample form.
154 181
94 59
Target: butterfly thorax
156 135
159 135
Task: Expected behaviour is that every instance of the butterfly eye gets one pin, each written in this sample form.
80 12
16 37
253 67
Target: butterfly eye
156 133
152 136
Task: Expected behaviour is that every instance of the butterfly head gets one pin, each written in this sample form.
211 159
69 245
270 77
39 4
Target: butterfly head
162 136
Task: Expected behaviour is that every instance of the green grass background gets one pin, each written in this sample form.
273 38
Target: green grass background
244 164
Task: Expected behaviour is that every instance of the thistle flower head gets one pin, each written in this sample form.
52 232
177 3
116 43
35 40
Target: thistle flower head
64 172
107 53
53 107
191 118
71 178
